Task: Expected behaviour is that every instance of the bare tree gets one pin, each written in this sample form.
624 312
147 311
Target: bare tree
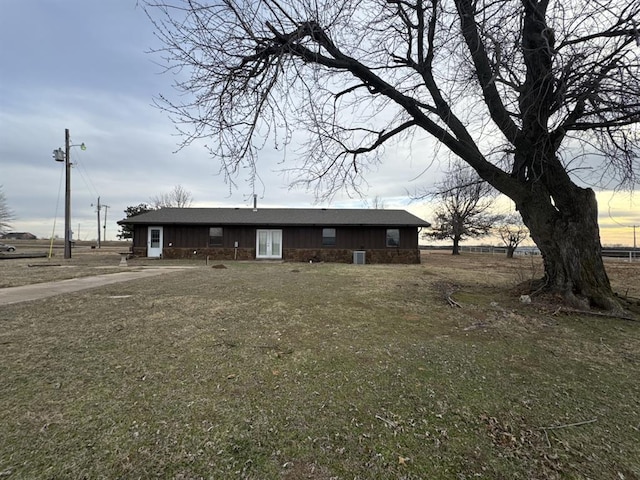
463 209
530 93
513 232
377 203
6 214
178 198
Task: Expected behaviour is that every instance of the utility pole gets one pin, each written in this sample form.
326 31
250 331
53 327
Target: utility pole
67 194
106 208
65 157
98 210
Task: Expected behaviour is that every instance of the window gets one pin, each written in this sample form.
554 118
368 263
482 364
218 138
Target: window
328 237
393 237
155 238
215 237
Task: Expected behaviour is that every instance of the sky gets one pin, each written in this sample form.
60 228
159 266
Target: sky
86 66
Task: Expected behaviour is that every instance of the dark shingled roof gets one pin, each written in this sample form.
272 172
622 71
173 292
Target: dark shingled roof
277 217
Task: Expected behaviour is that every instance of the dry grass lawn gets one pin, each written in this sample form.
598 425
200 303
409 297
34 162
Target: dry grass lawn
323 371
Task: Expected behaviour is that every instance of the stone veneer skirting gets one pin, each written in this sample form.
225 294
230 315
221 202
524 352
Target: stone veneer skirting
334 255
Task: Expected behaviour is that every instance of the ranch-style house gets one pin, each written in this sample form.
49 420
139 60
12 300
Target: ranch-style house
291 234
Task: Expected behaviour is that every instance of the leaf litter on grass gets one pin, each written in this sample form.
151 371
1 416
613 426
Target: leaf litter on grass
332 371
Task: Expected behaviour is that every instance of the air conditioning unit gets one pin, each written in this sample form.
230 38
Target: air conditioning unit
359 257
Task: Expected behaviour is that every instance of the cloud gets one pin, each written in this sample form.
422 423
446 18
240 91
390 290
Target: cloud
83 65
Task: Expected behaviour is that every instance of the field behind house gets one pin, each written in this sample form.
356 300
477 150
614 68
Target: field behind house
320 371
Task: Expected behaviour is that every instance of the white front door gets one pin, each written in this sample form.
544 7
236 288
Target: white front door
154 242
269 244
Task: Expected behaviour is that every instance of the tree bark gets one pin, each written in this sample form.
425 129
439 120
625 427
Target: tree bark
562 217
510 251
569 241
456 245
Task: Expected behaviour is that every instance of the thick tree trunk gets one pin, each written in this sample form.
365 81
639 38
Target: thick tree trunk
510 251
456 246
562 217
569 241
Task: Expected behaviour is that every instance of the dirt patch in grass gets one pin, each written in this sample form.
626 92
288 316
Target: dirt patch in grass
84 262
267 370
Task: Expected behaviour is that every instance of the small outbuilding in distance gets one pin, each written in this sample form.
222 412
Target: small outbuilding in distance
291 234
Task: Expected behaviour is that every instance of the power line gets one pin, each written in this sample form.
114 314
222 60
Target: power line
86 178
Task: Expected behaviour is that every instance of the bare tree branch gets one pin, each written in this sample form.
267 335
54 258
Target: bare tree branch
178 197
6 214
463 209
513 88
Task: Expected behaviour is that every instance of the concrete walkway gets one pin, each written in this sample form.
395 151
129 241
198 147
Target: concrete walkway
37 291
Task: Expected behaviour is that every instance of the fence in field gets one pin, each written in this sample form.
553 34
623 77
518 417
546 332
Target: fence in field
630 255
500 250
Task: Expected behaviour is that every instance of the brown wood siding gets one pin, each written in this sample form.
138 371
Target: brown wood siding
198 236
245 236
140 236
185 236
354 238
301 237
409 237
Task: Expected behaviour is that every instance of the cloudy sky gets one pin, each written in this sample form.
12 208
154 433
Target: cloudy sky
84 65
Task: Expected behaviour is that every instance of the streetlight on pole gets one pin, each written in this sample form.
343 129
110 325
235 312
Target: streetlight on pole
65 156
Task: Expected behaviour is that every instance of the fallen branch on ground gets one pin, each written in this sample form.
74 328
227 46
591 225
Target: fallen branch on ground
447 290
566 425
594 313
452 302
389 423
